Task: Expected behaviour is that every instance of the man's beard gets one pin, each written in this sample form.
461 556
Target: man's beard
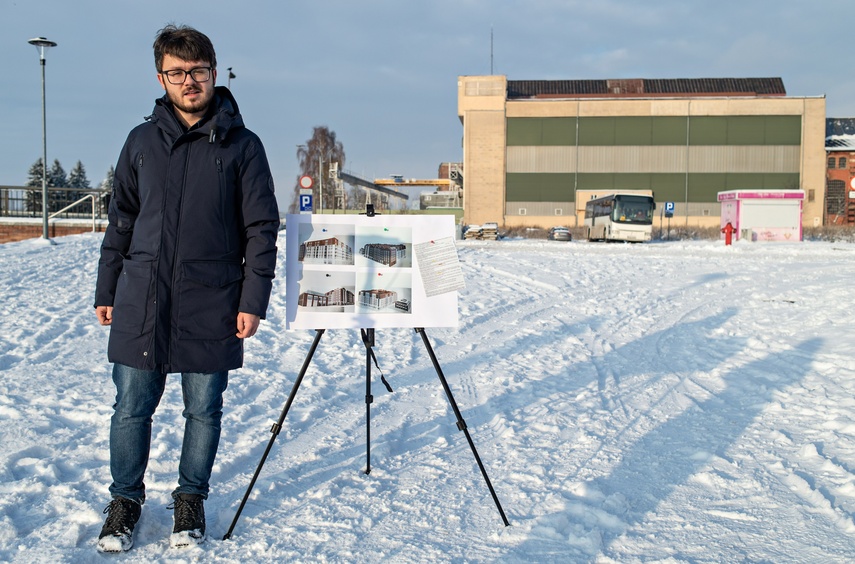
200 105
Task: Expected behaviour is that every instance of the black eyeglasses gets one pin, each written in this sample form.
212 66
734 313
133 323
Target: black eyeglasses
178 76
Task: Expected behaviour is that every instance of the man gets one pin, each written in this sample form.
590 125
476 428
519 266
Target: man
185 274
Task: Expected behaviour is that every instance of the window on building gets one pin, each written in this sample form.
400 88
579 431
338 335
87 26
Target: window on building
841 162
835 197
832 162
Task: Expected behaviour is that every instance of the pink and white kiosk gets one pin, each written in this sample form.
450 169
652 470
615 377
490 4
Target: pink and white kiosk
763 215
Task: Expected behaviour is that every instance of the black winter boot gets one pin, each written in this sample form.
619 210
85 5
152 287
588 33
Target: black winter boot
117 534
189 526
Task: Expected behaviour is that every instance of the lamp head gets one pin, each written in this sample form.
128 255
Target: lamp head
41 44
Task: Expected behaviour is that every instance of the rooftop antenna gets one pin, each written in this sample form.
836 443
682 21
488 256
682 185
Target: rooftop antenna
491 50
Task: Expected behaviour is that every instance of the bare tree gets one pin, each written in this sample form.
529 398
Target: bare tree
315 157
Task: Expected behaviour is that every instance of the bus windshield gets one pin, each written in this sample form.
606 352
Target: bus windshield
633 209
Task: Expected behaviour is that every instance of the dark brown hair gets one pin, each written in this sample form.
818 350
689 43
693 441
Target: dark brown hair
185 43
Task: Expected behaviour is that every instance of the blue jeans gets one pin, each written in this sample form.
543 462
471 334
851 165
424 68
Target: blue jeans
138 393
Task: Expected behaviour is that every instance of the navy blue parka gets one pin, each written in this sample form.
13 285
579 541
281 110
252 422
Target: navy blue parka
191 241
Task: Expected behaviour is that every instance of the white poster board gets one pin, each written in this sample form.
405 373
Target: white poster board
361 272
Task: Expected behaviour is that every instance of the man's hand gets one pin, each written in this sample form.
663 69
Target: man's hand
105 314
247 325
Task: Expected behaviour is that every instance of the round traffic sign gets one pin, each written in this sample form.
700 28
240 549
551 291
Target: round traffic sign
306 181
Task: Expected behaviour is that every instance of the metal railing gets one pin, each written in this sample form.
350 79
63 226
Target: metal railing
64 203
74 204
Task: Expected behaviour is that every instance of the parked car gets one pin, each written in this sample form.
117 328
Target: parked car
559 234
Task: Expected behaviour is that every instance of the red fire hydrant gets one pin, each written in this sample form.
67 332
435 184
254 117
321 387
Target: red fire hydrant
728 233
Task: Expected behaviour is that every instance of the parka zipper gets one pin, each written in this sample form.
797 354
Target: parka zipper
173 302
153 282
222 186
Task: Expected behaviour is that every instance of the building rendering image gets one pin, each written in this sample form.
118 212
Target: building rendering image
535 150
386 254
337 297
326 251
377 299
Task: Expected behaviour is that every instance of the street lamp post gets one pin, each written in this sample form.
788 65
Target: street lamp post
42 45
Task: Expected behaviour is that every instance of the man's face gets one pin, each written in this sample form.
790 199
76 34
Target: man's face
191 98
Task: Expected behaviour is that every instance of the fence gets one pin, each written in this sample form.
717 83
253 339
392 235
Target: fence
63 203
70 211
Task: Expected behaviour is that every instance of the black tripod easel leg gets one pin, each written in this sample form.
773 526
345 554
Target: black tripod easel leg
277 427
368 339
461 424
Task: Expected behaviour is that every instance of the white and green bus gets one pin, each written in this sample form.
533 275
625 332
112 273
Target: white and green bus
620 217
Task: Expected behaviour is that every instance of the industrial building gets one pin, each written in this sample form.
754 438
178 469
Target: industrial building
535 150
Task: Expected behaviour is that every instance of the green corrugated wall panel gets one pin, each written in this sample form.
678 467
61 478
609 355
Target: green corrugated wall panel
636 181
597 131
708 130
559 131
524 131
668 131
705 187
596 181
633 130
767 181
783 130
668 187
541 131
542 187
648 130
533 187
746 130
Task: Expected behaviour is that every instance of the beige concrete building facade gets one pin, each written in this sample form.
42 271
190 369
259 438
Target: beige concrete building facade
534 151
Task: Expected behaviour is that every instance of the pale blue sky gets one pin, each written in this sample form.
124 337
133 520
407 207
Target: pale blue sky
383 73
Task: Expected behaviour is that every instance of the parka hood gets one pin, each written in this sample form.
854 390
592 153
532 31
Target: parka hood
222 117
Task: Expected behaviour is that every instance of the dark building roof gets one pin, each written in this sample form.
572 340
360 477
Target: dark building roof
645 87
840 133
839 126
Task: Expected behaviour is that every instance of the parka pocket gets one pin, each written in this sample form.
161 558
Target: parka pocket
226 204
133 297
208 299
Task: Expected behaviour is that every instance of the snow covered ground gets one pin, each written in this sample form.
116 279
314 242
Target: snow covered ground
670 401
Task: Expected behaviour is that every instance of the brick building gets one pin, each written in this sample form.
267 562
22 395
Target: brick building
840 171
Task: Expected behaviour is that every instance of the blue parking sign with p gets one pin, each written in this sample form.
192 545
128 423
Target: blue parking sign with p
669 209
306 202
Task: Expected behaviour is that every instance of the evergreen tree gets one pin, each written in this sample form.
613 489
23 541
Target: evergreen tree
34 177
56 177
34 180
107 183
106 188
77 179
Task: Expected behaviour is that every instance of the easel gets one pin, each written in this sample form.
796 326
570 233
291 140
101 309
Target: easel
368 340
